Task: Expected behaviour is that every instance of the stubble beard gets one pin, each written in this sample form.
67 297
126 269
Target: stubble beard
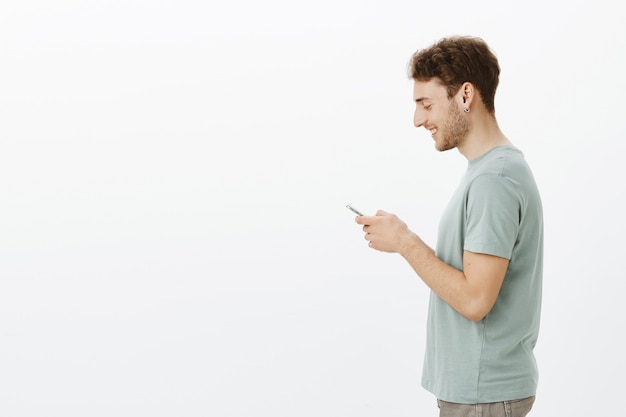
454 129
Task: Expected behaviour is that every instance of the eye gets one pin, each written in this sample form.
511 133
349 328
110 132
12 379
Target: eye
427 106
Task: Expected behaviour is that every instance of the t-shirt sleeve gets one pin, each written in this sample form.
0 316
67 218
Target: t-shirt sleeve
493 215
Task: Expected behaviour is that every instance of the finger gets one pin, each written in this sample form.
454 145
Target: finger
382 213
365 220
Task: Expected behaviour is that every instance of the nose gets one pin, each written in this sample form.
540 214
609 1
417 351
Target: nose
418 118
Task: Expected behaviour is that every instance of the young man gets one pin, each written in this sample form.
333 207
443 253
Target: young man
486 273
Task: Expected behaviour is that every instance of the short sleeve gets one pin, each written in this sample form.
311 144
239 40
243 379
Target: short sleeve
493 215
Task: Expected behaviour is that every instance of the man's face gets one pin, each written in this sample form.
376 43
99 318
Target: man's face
438 114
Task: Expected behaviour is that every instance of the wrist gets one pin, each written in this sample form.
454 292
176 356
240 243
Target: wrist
410 245
417 253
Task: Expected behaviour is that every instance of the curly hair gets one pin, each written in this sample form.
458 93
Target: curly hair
456 60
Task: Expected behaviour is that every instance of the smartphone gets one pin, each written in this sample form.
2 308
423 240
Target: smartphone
355 210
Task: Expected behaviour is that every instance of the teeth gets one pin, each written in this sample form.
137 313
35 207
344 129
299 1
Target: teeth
433 131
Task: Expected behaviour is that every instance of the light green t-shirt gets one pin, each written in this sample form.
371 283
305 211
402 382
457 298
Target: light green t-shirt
496 210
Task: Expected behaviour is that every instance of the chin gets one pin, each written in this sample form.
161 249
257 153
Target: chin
442 147
446 144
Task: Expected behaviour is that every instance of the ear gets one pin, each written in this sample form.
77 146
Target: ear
467 92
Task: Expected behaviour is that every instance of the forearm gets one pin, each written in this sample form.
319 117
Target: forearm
471 291
449 283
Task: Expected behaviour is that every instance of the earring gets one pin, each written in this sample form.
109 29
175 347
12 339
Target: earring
466 110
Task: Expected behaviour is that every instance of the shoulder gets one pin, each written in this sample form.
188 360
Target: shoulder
492 190
501 167
500 160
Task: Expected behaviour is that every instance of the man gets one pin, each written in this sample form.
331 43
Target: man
486 273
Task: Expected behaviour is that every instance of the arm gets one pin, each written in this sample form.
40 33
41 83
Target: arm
472 292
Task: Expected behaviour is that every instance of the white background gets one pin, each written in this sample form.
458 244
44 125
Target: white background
173 179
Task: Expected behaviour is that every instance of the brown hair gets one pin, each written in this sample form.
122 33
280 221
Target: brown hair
456 60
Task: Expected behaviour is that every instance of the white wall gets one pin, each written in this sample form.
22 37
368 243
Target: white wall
173 181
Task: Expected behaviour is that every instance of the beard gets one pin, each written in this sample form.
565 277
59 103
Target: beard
454 129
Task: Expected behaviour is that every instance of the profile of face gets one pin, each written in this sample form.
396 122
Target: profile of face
439 114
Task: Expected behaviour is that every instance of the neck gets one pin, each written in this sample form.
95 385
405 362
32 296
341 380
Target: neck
484 135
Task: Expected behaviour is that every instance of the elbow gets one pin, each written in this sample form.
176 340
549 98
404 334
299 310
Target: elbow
475 317
477 311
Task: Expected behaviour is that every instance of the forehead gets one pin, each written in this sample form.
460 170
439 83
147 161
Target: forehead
429 90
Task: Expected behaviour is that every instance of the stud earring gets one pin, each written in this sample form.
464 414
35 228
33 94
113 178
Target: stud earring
466 110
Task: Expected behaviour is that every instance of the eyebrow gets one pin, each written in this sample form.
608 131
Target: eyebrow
418 100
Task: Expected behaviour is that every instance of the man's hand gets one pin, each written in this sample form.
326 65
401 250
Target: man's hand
386 232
